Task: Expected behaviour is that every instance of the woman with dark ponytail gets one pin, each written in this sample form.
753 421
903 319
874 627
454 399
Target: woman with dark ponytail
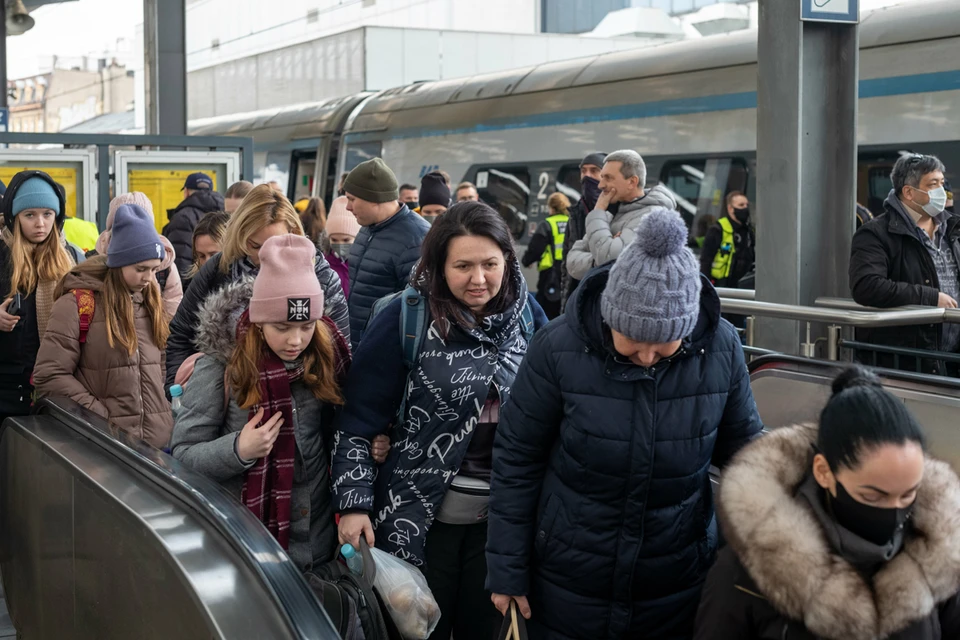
844 530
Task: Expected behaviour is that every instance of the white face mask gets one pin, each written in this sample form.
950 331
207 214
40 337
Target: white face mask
938 201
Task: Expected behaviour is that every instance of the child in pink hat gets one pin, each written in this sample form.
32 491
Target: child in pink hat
255 410
341 230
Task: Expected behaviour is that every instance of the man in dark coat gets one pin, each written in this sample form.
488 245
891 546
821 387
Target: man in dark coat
909 255
387 246
590 169
601 509
198 198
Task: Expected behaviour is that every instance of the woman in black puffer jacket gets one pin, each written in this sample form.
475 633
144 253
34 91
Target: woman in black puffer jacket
601 509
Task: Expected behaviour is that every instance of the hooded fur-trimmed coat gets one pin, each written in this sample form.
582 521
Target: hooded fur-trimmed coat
205 432
780 579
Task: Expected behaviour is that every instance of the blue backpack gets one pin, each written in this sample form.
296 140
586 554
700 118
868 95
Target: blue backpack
413 322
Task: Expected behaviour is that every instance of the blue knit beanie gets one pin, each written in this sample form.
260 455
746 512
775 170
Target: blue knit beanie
134 238
653 293
36 193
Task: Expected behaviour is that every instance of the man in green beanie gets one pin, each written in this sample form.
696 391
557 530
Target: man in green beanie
387 246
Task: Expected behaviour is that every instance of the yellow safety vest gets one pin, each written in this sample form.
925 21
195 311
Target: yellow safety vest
82 233
558 226
723 261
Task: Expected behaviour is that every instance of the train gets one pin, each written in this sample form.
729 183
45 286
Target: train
689 108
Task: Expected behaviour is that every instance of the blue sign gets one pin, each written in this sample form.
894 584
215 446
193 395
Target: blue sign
4 119
830 11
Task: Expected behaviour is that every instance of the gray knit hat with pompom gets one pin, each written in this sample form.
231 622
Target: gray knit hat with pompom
653 294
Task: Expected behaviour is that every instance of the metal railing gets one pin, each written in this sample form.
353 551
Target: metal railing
836 313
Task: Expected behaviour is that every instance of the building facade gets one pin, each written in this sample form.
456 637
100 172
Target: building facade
62 98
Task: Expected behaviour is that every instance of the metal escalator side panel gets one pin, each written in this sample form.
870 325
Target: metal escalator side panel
246 536
90 550
790 390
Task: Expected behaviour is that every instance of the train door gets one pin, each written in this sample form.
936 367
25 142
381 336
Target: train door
303 164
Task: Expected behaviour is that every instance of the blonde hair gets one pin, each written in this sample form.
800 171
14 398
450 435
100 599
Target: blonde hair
33 263
558 202
118 306
262 207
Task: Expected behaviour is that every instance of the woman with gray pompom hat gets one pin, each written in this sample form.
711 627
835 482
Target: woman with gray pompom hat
601 509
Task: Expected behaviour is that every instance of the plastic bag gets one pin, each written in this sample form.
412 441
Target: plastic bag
406 596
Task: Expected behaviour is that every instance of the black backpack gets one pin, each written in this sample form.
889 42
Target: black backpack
349 596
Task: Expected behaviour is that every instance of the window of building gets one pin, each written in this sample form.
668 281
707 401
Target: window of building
508 191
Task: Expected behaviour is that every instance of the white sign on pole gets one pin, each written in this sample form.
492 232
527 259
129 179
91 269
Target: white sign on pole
847 11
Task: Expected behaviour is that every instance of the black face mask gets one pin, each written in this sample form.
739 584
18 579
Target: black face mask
876 524
590 189
743 215
412 205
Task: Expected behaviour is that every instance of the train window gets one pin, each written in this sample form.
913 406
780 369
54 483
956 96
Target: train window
507 191
358 152
700 186
277 168
568 182
880 184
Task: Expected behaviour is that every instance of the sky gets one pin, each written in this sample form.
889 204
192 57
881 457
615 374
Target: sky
58 31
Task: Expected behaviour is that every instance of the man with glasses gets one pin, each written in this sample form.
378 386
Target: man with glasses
909 255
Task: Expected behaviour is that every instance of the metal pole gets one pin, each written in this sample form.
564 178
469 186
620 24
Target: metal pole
165 67
3 54
833 342
806 135
750 330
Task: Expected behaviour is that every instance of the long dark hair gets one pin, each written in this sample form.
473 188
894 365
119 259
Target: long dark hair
463 219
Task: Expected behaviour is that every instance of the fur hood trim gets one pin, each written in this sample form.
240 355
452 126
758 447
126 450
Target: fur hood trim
218 318
783 548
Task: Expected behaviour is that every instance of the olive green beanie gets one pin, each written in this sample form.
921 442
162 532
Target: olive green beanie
372 181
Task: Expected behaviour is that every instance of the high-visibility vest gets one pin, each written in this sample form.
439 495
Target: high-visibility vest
723 261
558 227
82 233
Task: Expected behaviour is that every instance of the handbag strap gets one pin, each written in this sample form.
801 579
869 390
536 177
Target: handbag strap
514 626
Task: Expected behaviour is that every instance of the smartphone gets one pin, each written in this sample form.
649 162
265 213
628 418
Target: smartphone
14 308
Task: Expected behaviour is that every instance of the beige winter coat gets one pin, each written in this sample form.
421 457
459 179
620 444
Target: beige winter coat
125 389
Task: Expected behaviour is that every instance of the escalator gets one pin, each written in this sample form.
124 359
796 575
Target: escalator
791 390
102 536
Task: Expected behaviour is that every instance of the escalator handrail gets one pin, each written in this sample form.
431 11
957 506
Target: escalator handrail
237 525
835 367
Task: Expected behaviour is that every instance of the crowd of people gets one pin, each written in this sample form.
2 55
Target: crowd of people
380 373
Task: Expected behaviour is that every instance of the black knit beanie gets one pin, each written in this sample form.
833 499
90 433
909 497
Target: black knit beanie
434 190
596 159
372 181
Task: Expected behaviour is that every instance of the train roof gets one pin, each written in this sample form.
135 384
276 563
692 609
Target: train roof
911 22
298 121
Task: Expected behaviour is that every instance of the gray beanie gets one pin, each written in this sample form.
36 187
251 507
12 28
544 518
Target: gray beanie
653 294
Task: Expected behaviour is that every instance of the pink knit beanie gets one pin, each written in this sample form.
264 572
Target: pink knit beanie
286 288
136 197
339 220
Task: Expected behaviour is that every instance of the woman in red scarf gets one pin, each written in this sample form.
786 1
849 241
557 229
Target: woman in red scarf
281 362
